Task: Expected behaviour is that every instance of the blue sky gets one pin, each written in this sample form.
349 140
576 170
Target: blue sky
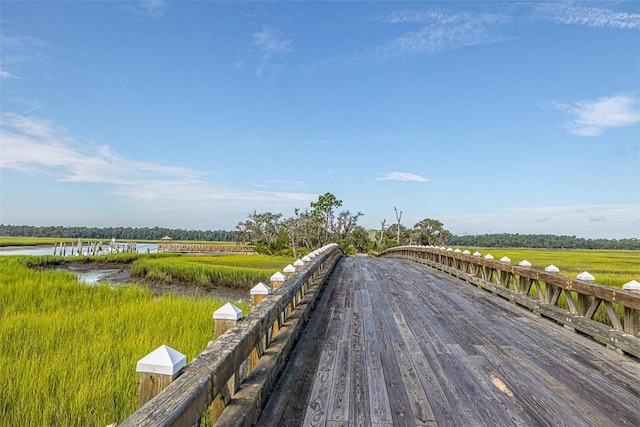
489 116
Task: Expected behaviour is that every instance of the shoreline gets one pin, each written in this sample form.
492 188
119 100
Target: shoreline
122 277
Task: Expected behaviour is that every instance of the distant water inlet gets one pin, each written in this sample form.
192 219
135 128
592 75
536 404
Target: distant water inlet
91 276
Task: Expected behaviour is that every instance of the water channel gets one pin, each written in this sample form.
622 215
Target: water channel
90 276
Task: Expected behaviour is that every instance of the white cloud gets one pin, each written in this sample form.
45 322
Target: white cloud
146 8
40 147
593 117
441 31
270 44
6 75
568 14
402 176
17 50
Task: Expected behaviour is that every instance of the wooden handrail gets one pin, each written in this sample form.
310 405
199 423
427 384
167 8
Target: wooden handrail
518 283
185 400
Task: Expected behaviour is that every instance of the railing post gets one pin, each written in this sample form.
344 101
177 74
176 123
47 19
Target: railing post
276 280
298 264
258 293
488 270
524 283
225 318
632 316
289 271
157 370
505 276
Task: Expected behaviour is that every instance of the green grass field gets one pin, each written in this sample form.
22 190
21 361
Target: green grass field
68 351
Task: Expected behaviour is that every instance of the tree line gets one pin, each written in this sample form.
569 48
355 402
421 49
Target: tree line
320 223
107 233
547 241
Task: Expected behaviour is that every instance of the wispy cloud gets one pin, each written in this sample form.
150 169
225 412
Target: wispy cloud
569 14
598 220
6 75
593 117
37 146
17 50
440 31
146 8
402 176
270 44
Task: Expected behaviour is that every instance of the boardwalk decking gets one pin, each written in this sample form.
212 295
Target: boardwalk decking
397 343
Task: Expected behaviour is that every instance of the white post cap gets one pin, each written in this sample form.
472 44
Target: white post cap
551 269
312 254
488 256
289 269
298 263
260 289
306 259
277 277
443 248
163 360
449 250
466 252
505 259
631 286
585 275
476 253
228 312
524 263
457 251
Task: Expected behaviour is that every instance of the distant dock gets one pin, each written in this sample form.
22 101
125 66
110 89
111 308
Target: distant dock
94 248
196 248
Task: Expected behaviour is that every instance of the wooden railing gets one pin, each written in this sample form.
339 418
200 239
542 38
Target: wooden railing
541 292
203 248
246 359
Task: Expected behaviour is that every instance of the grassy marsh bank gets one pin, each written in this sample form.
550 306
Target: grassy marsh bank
68 351
237 272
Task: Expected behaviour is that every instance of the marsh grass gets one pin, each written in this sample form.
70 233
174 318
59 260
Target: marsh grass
239 272
68 351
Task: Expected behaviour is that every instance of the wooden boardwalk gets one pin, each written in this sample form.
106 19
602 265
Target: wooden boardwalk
396 343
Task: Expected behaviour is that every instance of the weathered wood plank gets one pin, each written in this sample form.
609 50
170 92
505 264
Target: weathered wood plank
477 358
318 406
418 399
341 385
359 410
379 399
